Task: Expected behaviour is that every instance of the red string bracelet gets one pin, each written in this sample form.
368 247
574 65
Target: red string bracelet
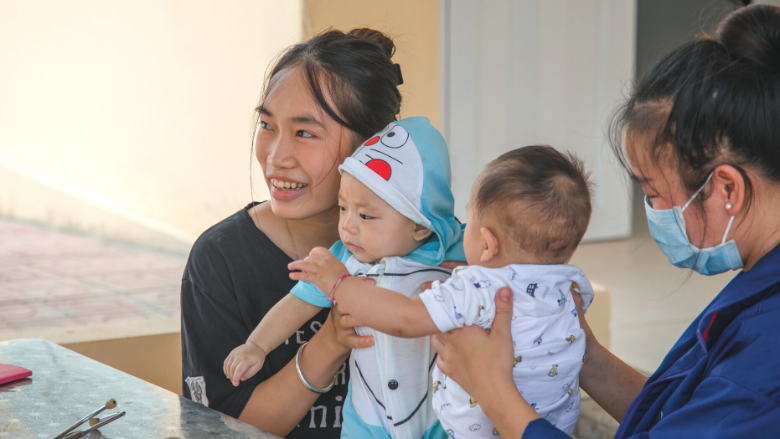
333 290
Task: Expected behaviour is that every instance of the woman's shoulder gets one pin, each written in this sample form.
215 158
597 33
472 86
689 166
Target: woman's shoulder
219 236
234 241
748 347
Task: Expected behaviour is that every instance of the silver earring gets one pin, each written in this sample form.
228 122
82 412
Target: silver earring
728 206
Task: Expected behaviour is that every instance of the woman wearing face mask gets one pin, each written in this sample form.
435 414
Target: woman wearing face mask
700 134
322 99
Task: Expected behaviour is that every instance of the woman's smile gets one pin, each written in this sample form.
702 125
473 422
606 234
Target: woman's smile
286 190
286 185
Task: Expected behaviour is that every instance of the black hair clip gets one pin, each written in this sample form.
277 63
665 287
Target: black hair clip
399 76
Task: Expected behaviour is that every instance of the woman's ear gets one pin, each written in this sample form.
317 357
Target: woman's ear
421 233
491 245
729 188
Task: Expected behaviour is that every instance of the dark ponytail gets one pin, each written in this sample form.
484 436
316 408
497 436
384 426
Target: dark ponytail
376 36
354 70
711 102
753 35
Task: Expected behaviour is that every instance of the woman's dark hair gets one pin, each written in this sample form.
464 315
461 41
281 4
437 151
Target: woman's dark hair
354 69
713 101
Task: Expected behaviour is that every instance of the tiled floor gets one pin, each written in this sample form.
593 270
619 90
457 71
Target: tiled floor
53 279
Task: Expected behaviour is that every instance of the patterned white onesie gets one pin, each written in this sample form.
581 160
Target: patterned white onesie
549 343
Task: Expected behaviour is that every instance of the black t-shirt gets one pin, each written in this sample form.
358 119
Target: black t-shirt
234 275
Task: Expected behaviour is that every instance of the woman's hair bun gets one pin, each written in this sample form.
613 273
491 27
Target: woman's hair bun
753 33
377 37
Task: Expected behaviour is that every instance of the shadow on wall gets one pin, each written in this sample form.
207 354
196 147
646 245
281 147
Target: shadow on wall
27 198
132 120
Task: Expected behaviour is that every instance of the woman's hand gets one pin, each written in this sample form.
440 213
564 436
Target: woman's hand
608 380
344 325
481 363
279 403
477 359
592 346
471 355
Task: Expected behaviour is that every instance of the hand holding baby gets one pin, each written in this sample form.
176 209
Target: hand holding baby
320 268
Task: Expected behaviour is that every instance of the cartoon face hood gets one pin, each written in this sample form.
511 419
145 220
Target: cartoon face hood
407 164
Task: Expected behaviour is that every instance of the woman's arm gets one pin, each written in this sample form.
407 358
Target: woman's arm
612 383
279 403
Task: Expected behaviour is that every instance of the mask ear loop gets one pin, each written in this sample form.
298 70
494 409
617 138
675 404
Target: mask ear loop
697 192
727 230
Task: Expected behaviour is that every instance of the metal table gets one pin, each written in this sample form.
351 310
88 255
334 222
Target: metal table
65 386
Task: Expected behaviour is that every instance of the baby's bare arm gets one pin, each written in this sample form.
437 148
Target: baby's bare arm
384 310
286 317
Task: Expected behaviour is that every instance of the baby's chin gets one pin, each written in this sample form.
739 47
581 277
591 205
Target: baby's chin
366 258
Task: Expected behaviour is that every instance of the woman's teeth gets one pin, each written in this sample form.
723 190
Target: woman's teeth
286 184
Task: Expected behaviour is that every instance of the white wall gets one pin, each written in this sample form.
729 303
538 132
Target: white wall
132 119
521 72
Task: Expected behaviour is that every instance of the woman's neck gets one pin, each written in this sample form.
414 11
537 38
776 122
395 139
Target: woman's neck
320 230
763 223
296 238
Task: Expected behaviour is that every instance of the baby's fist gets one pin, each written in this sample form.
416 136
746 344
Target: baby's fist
243 362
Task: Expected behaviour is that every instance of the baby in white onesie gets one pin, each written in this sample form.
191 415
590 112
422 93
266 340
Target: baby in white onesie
527 214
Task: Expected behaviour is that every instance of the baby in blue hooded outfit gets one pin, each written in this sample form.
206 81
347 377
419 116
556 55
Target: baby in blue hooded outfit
396 226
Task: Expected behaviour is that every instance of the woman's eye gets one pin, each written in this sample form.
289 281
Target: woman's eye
365 217
302 133
342 208
265 126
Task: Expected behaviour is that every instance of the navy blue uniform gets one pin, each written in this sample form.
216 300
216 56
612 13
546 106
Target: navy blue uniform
722 378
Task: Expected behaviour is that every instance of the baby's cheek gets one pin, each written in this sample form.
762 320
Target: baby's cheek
377 244
384 245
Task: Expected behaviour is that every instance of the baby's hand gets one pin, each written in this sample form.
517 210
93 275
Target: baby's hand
243 363
320 268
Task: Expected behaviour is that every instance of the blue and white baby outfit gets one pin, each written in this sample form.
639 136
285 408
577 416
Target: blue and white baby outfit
408 166
549 342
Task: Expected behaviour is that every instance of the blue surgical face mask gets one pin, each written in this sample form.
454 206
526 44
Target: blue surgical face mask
667 227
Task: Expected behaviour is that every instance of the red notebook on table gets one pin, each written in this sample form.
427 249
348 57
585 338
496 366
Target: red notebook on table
10 373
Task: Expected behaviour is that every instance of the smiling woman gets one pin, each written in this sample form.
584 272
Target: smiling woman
321 100
293 148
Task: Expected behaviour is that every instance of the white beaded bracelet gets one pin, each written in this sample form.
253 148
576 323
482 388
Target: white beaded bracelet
303 380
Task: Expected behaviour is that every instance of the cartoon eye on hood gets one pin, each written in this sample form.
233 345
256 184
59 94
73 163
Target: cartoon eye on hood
395 138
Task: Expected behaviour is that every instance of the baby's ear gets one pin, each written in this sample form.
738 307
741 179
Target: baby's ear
491 244
421 233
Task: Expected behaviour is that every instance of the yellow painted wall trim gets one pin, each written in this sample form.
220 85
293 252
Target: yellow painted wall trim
101 332
153 358
414 26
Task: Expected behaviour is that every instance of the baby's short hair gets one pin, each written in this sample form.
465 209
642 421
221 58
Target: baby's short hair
541 197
